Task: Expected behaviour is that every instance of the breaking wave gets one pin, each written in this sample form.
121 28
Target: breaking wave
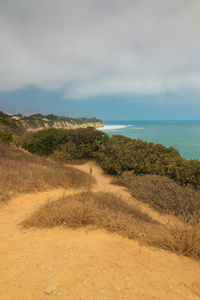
117 127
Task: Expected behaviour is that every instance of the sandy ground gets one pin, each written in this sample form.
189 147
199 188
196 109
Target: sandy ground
82 264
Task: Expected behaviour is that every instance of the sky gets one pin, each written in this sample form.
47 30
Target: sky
111 59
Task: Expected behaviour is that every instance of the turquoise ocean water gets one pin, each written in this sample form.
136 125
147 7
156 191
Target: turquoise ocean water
182 135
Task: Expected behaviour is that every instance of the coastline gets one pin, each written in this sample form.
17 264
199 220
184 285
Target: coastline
183 135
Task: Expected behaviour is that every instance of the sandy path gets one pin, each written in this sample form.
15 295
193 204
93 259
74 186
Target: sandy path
104 184
85 264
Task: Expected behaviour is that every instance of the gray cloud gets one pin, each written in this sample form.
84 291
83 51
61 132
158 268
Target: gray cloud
91 48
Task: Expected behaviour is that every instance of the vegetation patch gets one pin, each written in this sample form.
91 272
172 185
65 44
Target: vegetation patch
121 154
105 210
66 144
6 137
164 195
22 172
117 154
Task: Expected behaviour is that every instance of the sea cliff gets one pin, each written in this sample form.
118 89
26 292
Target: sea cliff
20 124
64 125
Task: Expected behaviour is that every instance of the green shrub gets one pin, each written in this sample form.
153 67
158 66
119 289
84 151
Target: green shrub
68 143
7 120
121 154
6 137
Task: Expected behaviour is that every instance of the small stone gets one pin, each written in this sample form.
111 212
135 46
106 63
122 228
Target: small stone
126 278
50 289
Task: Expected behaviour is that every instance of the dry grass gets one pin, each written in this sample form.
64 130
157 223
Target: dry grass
86 208
105 210
21 172
185 240
164 195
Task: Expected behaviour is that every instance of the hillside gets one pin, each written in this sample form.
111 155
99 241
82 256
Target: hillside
19 124
84 263
71 232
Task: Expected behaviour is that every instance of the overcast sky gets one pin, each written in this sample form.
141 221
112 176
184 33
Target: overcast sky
114 59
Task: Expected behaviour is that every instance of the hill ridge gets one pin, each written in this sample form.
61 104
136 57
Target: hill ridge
19 123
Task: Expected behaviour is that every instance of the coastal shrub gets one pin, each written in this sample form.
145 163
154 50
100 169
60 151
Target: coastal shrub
124 154
6 137
121 154
66 143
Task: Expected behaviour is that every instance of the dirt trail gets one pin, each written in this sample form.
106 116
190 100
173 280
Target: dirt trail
104 184
81 264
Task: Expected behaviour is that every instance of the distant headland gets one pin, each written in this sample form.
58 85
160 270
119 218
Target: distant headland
16 123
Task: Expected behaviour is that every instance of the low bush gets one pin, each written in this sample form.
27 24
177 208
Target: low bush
6 137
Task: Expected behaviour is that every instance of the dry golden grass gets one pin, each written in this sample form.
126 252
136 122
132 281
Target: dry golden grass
185 239
21 172
164 195
105 210
86 208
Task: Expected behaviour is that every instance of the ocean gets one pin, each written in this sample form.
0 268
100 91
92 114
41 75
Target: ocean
182 135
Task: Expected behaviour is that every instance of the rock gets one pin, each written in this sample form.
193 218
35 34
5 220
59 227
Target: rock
50 289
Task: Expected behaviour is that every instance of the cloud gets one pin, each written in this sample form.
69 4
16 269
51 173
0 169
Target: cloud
92 48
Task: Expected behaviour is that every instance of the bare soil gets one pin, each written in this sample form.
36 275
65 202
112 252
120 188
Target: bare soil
85 264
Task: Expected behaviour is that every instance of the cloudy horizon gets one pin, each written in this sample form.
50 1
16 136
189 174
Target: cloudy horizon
101 56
